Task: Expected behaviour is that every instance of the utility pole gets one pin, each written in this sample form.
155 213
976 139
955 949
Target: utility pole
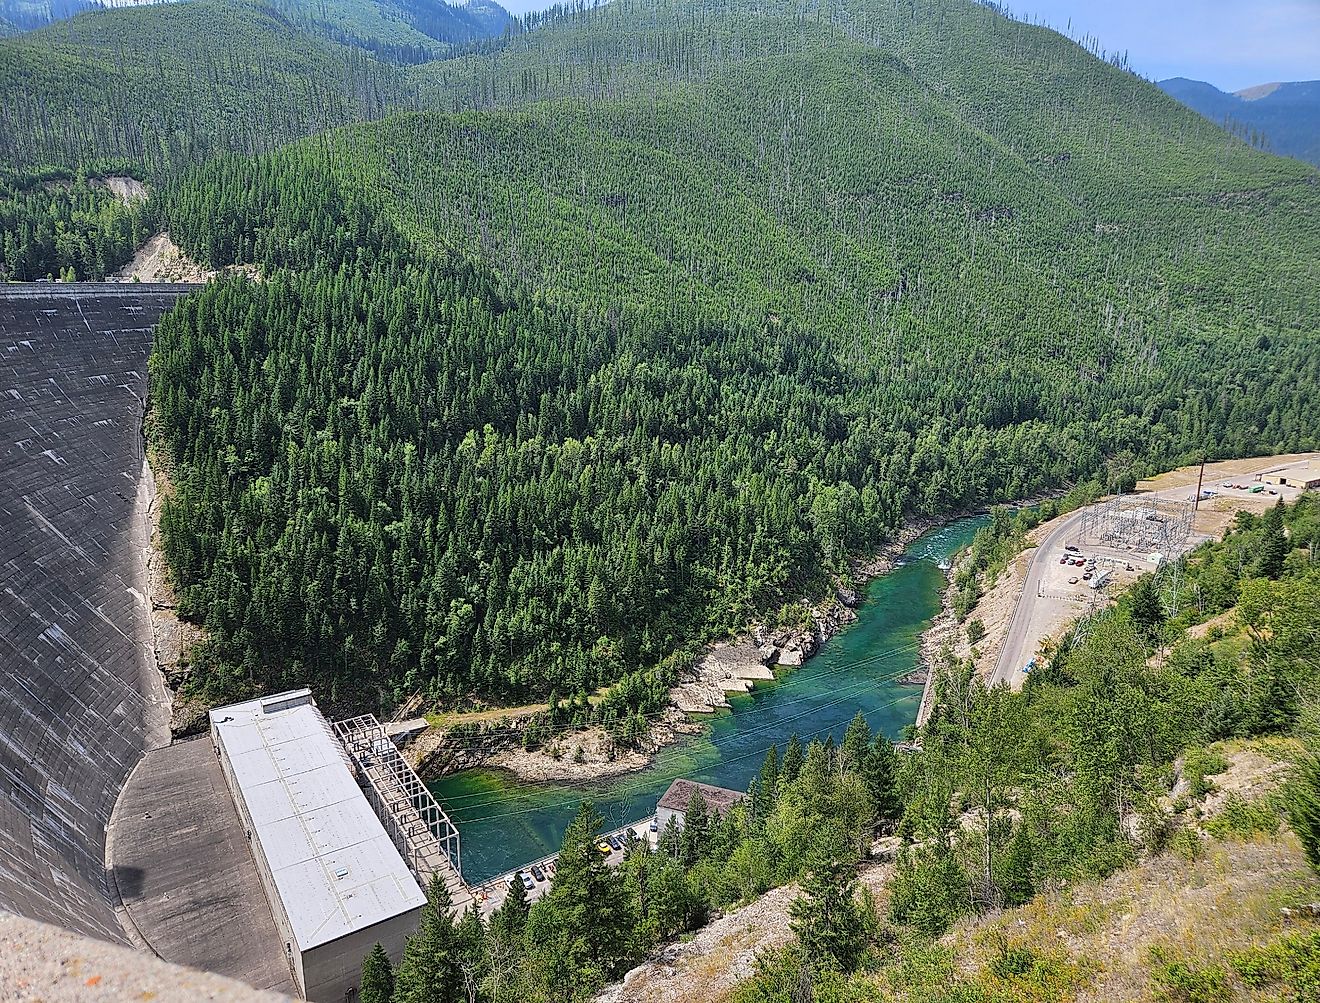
1196 502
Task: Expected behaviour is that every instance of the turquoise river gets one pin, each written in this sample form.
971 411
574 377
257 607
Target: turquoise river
506 823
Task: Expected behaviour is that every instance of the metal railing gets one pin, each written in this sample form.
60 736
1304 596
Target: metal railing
424 835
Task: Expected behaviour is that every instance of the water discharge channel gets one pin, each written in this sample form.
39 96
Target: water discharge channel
506 822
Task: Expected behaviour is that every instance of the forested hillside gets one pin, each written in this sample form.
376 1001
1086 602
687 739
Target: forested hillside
55 224
700 300
1116 831
1281 118
166 86
407 31
1104 759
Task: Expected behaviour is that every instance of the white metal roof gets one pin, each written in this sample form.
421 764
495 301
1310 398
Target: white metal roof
334 866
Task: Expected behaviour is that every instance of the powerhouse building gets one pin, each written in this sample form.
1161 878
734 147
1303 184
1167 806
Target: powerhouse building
335 882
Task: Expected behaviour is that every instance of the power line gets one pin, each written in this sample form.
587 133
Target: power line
653 780
849 695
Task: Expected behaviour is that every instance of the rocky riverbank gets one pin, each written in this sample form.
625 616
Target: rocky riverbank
577 756
942 634
732 666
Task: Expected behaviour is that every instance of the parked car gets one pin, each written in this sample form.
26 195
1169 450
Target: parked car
1086 577
655 825
537 873
1064 560
527 881
1072 580
1070 548
603 848
614 842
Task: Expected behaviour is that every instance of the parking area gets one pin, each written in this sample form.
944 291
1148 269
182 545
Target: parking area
539 875
1116 540
1082 574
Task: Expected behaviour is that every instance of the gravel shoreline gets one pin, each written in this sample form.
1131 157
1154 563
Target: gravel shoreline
725 667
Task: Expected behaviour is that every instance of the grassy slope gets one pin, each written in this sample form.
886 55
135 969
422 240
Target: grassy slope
1168 928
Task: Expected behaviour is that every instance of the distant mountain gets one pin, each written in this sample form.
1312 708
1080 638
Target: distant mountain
24 15
407 31
1286 115
223 75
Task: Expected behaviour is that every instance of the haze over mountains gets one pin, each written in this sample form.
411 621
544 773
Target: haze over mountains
408 30
1282 117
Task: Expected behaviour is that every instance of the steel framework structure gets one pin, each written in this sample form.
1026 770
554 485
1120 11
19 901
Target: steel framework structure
424 835
1140 524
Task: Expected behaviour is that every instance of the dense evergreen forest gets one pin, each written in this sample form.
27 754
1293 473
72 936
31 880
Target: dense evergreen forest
54 224
674 323
1004 796
164 86
648 317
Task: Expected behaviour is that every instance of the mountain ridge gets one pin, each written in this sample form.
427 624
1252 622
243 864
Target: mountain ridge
1281 117
878 264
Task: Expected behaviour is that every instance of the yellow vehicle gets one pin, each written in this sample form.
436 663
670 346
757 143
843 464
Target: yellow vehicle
603 847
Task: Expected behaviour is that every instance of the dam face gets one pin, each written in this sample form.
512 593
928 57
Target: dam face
80 697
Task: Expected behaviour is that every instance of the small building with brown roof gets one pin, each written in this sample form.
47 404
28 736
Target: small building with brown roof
674 804
1301 475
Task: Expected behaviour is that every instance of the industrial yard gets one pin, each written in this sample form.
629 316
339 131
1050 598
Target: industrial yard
1047 587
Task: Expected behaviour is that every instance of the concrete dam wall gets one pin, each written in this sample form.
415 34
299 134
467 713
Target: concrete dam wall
80 697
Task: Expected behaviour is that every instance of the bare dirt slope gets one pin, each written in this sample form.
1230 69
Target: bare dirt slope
723 953
162 260
124 188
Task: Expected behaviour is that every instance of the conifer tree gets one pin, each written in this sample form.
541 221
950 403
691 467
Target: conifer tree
793 759
1303 805
377 977
580 928
827 918
510 918
1016 882
1274 545
696 829
856 747
429 971
767 785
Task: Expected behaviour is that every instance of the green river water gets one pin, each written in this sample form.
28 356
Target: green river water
505 823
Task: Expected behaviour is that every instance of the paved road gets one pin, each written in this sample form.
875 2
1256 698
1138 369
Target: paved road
1013 655
1018 646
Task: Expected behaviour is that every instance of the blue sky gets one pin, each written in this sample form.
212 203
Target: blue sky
1231 43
